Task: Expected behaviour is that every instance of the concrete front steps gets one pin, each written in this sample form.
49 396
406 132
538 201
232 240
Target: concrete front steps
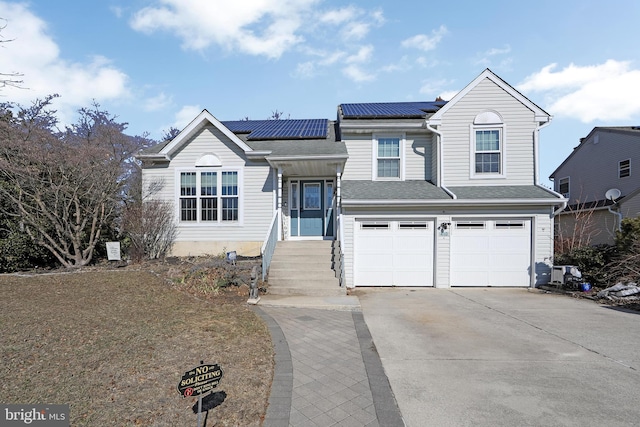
303 268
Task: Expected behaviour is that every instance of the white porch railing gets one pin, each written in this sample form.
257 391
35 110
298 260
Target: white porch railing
338 264
269 245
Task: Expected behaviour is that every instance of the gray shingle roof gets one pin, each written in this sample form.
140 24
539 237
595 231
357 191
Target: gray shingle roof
424 190
391 190
502 192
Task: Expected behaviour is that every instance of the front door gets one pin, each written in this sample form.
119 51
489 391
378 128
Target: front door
311 208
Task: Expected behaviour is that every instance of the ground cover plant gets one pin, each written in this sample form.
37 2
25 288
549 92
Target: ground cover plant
113 345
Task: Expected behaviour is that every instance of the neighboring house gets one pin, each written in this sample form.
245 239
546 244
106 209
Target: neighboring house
606 159
415 193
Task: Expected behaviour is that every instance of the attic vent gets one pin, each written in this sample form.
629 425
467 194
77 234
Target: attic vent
208 160
487 118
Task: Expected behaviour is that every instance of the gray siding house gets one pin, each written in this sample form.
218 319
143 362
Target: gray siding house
604 160
410 193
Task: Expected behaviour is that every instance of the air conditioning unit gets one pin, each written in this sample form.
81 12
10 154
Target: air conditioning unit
566 275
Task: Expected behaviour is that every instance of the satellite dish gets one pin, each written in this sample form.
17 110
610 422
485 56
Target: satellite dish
612 194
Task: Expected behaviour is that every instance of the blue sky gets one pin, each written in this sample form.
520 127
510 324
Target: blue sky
157 63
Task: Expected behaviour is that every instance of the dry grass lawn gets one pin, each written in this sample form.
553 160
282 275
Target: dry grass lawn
114 345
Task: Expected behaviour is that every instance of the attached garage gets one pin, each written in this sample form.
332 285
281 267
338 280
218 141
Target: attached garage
490 252
393 252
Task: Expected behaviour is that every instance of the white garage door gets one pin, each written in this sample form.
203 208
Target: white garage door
393 253
490 252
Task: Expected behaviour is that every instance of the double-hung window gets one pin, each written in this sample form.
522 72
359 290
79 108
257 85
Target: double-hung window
388 157
209 196
488 151
487 146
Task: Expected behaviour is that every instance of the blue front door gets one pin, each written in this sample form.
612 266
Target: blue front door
311 208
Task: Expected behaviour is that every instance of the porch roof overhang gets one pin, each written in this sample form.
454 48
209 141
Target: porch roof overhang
308 166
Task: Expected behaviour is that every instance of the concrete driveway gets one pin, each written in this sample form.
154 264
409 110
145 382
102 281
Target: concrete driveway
505 357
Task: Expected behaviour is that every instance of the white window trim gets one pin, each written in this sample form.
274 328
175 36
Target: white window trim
374 156
502 127
568 193
219 222
620 168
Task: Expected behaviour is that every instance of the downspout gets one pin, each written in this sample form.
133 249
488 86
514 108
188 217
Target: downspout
560 209
440 148
536 154
618 214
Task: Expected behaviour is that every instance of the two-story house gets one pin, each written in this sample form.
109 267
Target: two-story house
603 161
413 193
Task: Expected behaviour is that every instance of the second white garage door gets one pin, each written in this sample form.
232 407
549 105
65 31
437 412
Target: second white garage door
491 252
393 253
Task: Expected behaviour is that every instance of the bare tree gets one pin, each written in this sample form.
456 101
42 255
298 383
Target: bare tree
66 186
11 78
578 231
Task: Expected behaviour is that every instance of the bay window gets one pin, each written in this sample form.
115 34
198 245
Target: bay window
209 196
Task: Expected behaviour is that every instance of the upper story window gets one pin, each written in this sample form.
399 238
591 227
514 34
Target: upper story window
487 145
209 196
388 152
624 168
563 186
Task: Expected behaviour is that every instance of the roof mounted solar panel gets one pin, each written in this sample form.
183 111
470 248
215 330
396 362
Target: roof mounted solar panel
390 109
243 126
291 129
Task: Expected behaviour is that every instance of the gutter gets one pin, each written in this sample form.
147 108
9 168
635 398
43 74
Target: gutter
156 156
440 149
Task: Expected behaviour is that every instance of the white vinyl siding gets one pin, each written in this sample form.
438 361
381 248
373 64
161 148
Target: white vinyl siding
518 139
417 156
256 202
358 166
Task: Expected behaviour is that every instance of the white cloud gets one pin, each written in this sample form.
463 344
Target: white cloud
448 94
339 16
604 92
363 55
425 42
434 87
186 115
356 30
357 74
354 23
485 59
257 27
157 102
354 69
34 53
